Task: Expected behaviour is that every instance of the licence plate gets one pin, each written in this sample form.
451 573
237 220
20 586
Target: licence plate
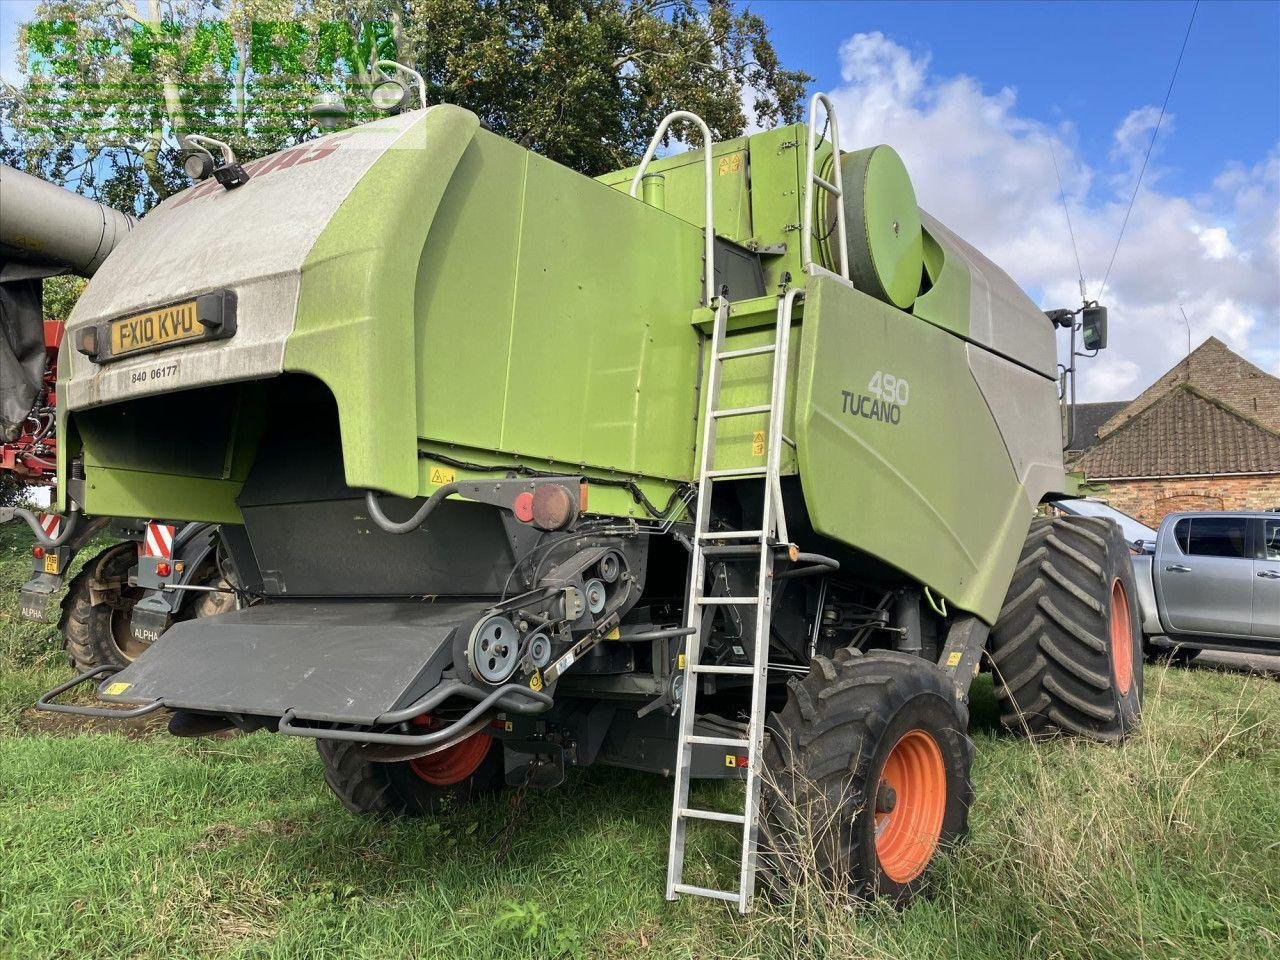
156 328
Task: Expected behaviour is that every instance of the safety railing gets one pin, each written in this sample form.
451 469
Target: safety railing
709 232
812 179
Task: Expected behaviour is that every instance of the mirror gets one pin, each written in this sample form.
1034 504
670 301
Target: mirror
1093 323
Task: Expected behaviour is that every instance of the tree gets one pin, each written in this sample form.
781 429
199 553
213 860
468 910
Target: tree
113 84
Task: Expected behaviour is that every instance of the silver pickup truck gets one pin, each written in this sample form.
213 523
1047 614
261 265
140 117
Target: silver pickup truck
1206 581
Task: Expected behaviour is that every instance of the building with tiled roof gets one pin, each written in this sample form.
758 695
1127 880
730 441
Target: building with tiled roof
1205 436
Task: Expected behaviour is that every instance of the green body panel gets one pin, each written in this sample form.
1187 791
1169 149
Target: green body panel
946 302
355 321
935 494
542 330
883 225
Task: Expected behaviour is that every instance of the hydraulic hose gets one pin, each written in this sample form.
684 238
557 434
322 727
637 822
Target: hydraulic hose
69 526
391 526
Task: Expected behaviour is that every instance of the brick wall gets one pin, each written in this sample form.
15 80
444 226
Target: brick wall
1151 500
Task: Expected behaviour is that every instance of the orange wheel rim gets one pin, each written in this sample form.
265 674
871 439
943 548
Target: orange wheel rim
1121 637
911 798
454 763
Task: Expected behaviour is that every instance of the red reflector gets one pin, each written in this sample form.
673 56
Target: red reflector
523 507
37 552
162 569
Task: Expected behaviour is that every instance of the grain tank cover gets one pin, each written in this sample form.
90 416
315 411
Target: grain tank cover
886 251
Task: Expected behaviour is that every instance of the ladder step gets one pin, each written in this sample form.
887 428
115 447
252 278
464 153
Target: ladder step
736 472
731 535
741 411
747 352
705 892
696 814
718 741
729 668
726 601
746 550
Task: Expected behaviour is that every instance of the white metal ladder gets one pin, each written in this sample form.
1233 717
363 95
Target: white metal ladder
769 536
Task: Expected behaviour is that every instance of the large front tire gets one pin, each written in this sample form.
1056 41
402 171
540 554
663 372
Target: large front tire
465 771
1067 646
866 776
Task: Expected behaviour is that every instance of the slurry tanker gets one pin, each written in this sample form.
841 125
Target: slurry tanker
725 465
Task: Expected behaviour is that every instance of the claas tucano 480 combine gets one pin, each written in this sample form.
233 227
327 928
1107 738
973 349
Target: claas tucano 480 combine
726 465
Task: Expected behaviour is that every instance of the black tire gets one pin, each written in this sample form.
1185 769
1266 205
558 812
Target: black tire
97 634
825 764
1066 650
394 789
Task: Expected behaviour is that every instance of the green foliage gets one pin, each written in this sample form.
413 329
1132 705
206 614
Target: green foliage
60 295
113 85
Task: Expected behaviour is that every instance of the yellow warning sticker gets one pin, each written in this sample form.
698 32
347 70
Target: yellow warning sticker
953 658
508 726
730 760
613 634
117 688
51 562
728 165
535 682
757 444
680 661
442 475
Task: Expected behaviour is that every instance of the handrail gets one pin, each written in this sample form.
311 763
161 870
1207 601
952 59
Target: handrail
708 231
836 189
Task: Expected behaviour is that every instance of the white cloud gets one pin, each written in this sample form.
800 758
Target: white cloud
986 171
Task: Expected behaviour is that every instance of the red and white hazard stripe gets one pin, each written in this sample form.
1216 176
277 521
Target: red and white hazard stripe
51 524
158 541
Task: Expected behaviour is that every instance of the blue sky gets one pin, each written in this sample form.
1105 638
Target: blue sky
1090 63
980 98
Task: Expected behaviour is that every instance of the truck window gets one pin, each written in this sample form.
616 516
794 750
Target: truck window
1181 534
1216 536
1271 539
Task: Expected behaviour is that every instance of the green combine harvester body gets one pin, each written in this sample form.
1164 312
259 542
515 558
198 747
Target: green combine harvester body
459 295
513 470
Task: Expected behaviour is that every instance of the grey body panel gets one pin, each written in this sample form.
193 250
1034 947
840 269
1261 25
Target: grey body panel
252 240
1025 407
336 662
1001 316
1198 595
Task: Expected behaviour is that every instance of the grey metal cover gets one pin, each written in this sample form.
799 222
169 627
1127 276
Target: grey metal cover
335 662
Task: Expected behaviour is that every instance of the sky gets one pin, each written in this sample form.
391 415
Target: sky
975 96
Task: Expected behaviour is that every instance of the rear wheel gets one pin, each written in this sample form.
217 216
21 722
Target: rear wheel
1067 647
96 612
866 775
467 770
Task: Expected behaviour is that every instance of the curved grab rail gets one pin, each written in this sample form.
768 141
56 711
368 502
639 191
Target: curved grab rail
812 178
708 231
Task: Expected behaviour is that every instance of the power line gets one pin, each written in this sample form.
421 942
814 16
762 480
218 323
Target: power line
1154 134
1065 209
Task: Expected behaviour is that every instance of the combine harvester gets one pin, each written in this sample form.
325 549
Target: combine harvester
727 465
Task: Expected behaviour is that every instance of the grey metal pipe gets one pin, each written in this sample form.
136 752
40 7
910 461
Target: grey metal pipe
43 223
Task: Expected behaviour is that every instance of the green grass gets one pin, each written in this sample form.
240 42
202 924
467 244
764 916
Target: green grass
141 847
